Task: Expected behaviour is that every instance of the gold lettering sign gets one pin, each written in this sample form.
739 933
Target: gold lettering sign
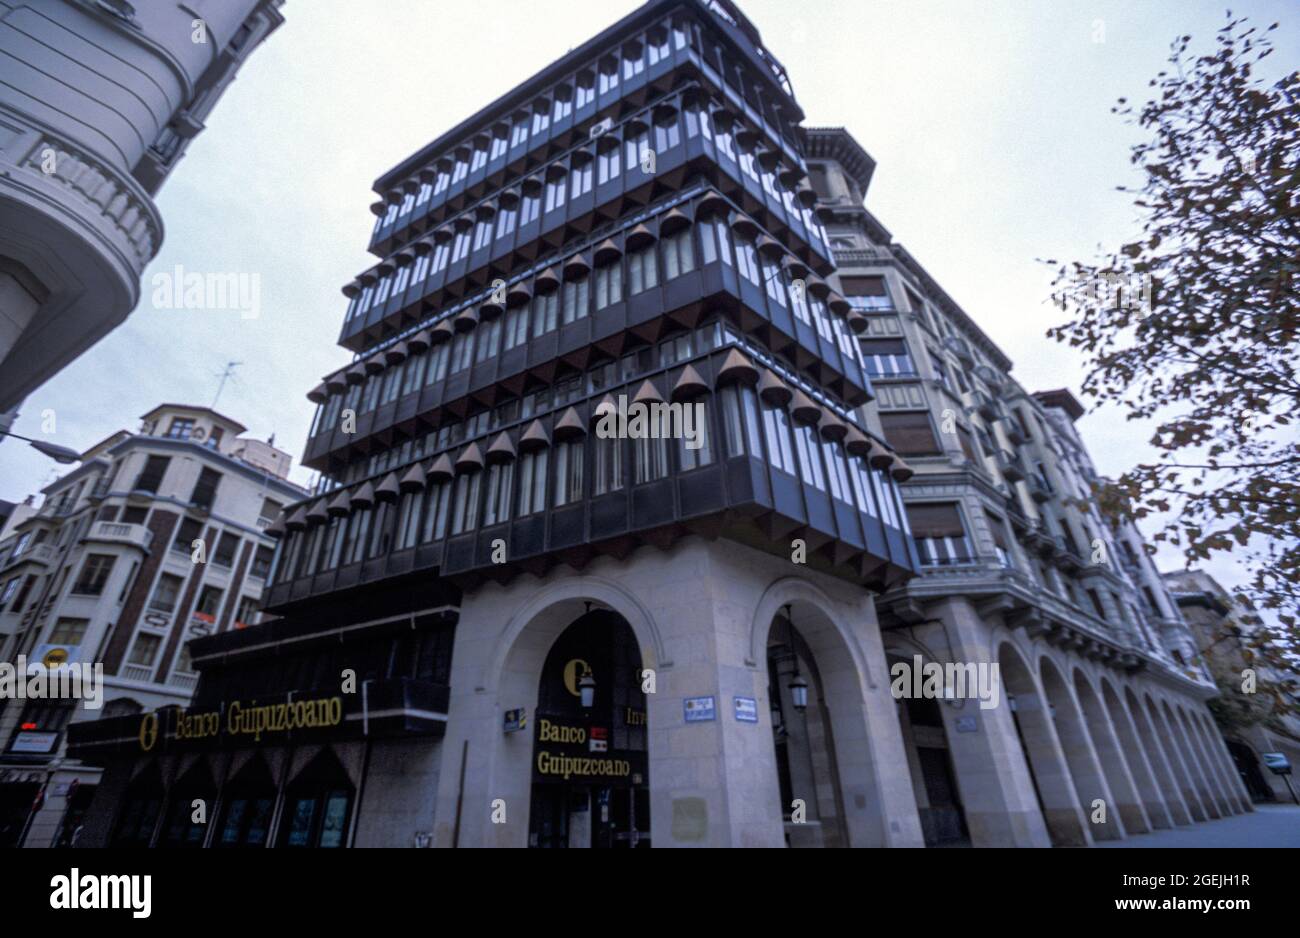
575 669
563 766
246 720
548 732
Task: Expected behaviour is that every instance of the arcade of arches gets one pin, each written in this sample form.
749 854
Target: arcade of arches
758 713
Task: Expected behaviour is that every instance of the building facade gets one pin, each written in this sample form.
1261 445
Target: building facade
1108 700
1260 716
100 101
507 618
157 537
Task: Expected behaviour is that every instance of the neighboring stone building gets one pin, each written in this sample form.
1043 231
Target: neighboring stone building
104 571
99 102
1019 568
1224 632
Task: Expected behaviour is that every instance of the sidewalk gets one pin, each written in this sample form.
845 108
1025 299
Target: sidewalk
1269 825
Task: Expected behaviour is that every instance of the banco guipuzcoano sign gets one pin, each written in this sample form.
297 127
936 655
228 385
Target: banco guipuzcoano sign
239 721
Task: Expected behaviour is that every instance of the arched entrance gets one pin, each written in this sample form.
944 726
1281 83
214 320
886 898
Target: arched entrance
590 776
1247 766
1044 760
811 802
929 759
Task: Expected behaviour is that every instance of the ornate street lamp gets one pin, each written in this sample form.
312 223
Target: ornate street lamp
798 686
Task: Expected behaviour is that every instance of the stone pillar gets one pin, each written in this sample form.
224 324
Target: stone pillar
1208 769
1182 771
1219 751
1085 767
997 792
1111 758
1134 753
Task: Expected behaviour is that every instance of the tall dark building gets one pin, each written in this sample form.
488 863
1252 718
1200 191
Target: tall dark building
507 620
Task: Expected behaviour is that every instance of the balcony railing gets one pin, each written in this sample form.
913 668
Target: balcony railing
114 532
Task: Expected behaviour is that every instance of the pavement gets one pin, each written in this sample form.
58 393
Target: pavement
1269 825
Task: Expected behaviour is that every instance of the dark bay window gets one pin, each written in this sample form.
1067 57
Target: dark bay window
462 348
568 472
516 328
381 533
354 546
577 293
436 371
609 285
465 505
642 271
608 465
94 574
910 433
532 482
437 508
837 473
679 254
555 188
940 537
636 145
500 488
805 438
747 260
702 454
715 241
151 476
740 421
580 175
546 312
408 520
489 337
608 159
530 207
780 449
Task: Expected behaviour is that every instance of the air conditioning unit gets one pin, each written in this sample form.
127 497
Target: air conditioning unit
601 128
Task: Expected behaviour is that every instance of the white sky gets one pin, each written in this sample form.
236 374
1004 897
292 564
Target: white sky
990 123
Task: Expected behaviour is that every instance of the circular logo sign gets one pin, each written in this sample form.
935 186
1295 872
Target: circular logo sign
55 657
148 731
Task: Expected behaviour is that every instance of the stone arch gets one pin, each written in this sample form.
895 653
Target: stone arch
1163 768
1040 750
1111 756
787 591
859 718
1210 771
1177 760
1219 749
550 610
1195 764
1140 763
1080 755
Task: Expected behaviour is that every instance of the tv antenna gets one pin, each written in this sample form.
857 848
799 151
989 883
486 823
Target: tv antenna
221 386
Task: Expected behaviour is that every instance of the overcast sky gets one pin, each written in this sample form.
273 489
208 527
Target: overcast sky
990 123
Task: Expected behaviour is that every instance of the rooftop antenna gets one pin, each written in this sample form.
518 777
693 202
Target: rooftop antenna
228 373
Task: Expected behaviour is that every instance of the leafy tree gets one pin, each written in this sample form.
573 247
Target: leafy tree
1196 324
